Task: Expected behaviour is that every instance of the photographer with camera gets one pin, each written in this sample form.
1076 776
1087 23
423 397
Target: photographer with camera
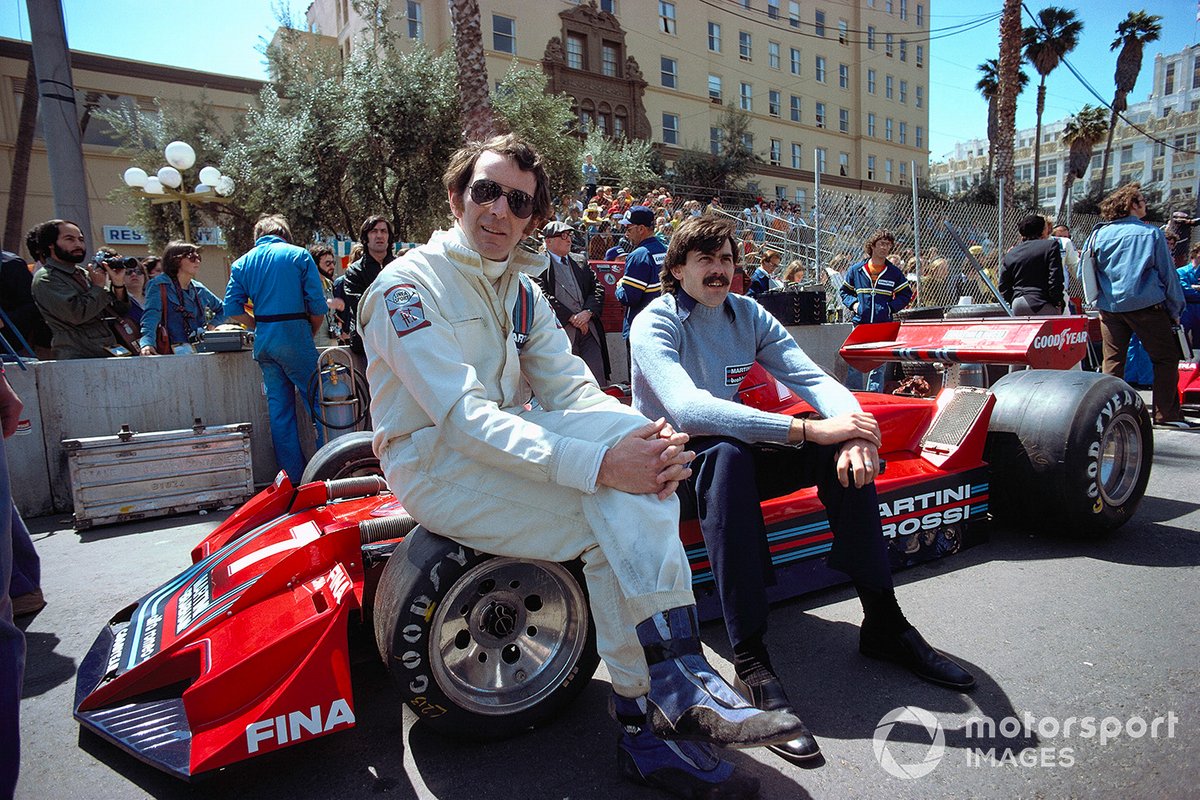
72 304
178 305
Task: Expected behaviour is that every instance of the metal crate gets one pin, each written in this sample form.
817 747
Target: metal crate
134 475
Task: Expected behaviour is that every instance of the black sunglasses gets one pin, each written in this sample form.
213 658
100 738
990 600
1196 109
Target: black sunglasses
484 191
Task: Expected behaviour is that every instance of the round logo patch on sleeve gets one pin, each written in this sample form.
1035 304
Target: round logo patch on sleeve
404 309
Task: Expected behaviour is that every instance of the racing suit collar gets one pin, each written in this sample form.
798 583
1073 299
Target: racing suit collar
455 243
686 304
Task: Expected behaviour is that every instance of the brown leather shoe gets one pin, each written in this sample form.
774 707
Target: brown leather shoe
27 604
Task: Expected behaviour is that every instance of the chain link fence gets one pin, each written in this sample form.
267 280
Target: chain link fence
828 238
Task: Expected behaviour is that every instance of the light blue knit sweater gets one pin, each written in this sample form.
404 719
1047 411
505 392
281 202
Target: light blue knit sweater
688 360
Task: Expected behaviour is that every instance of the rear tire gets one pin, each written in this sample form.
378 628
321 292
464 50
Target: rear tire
348 456
975 311
481 646
1070 451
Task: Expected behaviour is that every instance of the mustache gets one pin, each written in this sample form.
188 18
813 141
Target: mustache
716 279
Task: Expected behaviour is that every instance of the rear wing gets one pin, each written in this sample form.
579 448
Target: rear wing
1038 342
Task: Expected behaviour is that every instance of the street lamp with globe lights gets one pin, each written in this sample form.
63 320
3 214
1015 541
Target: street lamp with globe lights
165 186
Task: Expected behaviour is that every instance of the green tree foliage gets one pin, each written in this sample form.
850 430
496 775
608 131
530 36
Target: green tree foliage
626 162
523 107
701 174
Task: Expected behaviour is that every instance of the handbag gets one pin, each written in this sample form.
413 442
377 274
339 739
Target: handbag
127 332
162 339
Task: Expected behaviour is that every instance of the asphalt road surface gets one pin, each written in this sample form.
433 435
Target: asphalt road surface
1057 632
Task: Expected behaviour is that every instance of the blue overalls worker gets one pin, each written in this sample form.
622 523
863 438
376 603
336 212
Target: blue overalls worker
282 282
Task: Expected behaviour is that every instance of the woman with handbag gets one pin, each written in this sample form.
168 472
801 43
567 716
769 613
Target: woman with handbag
178 305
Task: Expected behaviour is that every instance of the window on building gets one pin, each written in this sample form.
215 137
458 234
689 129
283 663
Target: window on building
797 153
903 9
416 21
920 55
794 13
844 76
870 37
748 141
504 34
870 81
746 97
903 133
887 129
1196 74
795 106
920 136
773 102
714 88
714 141
888 83
1048 169
1169 80
670 72
610 60
843 120
843 31
821 160
870 168
744 46
887 45
888 6
773 55
887 170
795 60
776 152
819 26
670 128
801 197
903 91
780 192
904 49
714 37
903 172
820 69
820 115
920 15
920 99
773 9
666 17
870 123
576 51
843 164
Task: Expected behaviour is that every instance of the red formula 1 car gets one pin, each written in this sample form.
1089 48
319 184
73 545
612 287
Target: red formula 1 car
246 650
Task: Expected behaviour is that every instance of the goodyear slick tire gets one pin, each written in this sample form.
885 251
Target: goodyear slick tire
346 456
482 647
1070 451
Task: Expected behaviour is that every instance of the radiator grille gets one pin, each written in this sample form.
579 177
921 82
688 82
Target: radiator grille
950 426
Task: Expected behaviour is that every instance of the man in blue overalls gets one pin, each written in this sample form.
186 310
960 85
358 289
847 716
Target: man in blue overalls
282 282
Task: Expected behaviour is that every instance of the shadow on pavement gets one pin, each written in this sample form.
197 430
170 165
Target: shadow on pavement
44 668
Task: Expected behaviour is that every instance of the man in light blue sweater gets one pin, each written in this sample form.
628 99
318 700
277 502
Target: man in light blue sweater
691 349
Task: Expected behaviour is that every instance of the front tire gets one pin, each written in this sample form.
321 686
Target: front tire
348 456
1070 451
482 647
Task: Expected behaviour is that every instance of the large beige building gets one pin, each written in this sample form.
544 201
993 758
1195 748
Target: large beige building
103 82
1159 150
840 87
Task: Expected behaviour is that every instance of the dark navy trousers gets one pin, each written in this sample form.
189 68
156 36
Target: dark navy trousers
729 480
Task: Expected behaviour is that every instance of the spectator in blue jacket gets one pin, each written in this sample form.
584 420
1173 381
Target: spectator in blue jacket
1189 280
640 284
760 280
189 303
874 289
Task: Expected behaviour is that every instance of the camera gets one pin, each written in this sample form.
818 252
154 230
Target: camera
100 261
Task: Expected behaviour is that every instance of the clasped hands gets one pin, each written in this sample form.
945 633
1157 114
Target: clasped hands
651 460
858 434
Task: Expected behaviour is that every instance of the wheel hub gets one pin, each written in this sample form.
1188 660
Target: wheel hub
498 619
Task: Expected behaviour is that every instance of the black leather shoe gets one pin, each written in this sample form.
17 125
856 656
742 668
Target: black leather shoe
910 650
770 696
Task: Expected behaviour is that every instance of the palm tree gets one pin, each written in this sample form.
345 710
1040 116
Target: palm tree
478 119
19 178
1082 132
989 87
1055 34
1136 29
1006 100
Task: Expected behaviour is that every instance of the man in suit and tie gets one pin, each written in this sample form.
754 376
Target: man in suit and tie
576 298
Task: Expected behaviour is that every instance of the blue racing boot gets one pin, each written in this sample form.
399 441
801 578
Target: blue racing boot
689 700
685 769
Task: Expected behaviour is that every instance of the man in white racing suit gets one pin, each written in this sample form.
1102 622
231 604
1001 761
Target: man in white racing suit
458 339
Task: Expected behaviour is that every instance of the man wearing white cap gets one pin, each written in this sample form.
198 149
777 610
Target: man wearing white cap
576 298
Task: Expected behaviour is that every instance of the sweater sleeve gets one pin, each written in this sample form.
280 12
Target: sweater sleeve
779 354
